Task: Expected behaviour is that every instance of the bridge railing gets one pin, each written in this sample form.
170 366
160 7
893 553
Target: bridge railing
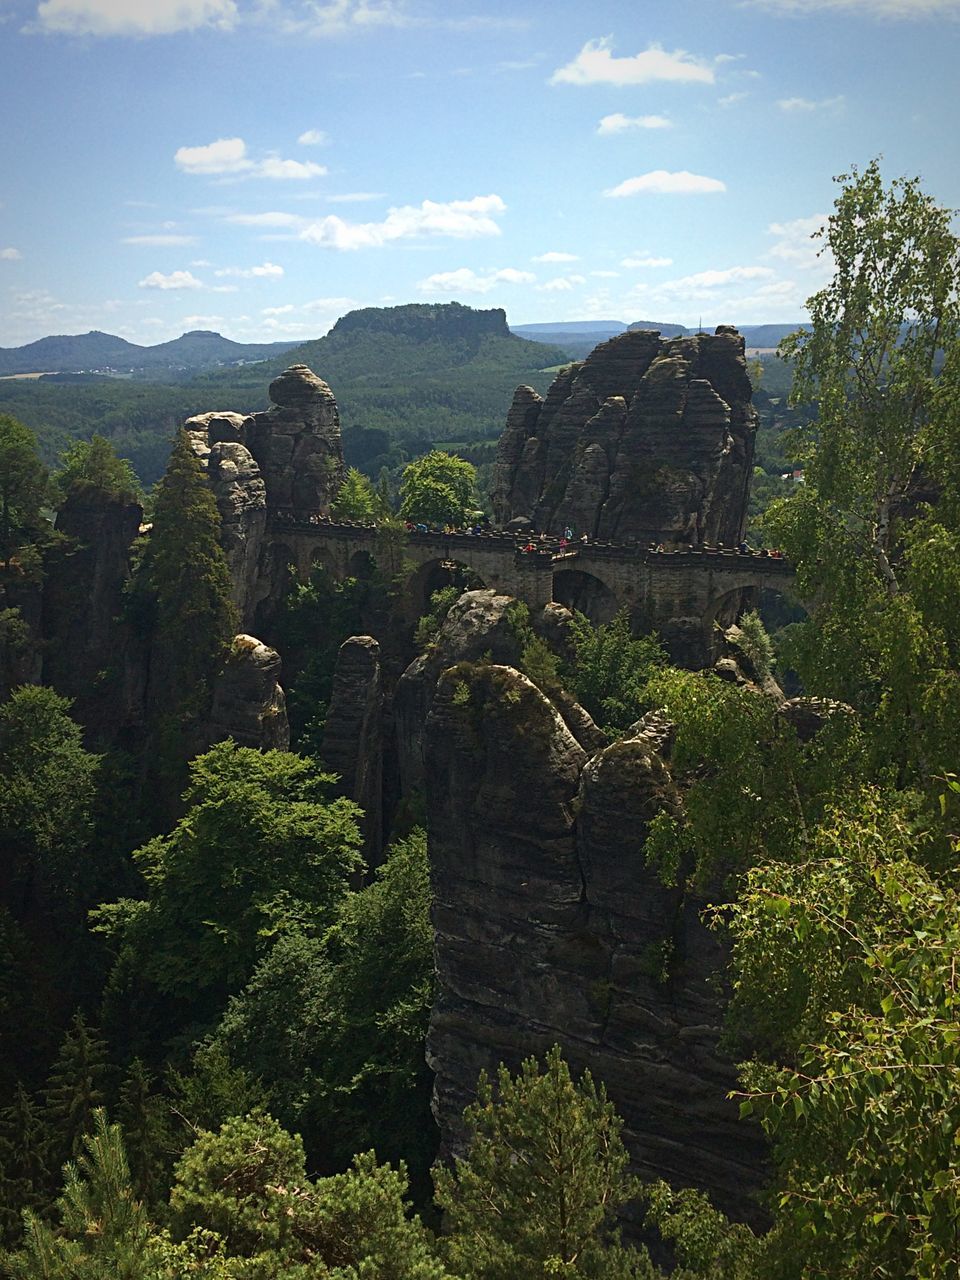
552 549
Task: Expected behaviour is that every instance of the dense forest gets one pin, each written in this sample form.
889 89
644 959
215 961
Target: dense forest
214 1013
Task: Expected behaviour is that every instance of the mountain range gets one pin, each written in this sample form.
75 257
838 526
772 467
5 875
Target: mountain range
413 325
97 352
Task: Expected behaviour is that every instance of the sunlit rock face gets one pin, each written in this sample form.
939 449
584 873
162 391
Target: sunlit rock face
648 438
248 701
287 459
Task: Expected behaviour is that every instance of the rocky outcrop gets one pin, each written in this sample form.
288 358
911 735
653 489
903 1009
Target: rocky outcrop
238 486
288 459
353 736
552 928
646 439
297 443
248 702
476 626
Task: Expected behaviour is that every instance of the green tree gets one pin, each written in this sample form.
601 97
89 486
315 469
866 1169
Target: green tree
144 1116
103 1231
612 668
93 468
247 1184
185 572
334 1027
544 1175
260 851
75 1089
24 1162
357 499
880 562
23 486
437 489
847 959
47 791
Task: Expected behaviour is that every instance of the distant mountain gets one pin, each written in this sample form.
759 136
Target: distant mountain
96 351
375 345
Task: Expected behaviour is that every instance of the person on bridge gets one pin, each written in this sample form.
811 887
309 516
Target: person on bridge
584 538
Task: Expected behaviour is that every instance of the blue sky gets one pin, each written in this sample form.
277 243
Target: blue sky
260 167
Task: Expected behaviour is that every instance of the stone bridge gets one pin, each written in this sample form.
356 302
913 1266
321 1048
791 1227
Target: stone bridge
679 594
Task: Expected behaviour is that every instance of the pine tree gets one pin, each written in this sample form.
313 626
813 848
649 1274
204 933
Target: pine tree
76 1088
145 1118
186 572
545 1173
24 1171
104 1232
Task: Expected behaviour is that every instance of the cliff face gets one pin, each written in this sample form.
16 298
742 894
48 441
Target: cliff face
648 439
551 928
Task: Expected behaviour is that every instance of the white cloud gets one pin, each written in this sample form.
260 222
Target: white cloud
313 138
273 219
561 284
731 98
619 123
555 257
201 322
807 104
266 269
715 279
455 219
464 280
122 18
228 156
795 243
606 275
341 17
596 64
897 9
355 197
10 255
201 262
279 311
160 239
289 170
175 280
661 182
646 260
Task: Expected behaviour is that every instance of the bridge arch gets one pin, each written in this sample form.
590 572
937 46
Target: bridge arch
584 591
435 574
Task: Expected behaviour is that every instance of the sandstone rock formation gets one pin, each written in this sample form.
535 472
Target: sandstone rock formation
353 736
248 702
552 928
297 443
646 439
289 459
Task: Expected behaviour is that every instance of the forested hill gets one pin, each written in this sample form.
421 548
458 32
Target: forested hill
88 352
423 374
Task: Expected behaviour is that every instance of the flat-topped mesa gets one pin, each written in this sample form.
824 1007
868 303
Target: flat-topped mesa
648 438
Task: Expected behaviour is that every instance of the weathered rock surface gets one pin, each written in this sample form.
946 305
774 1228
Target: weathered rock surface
648 439
238 486
287 459
552 928
353 735
476 626
297 443
248 702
